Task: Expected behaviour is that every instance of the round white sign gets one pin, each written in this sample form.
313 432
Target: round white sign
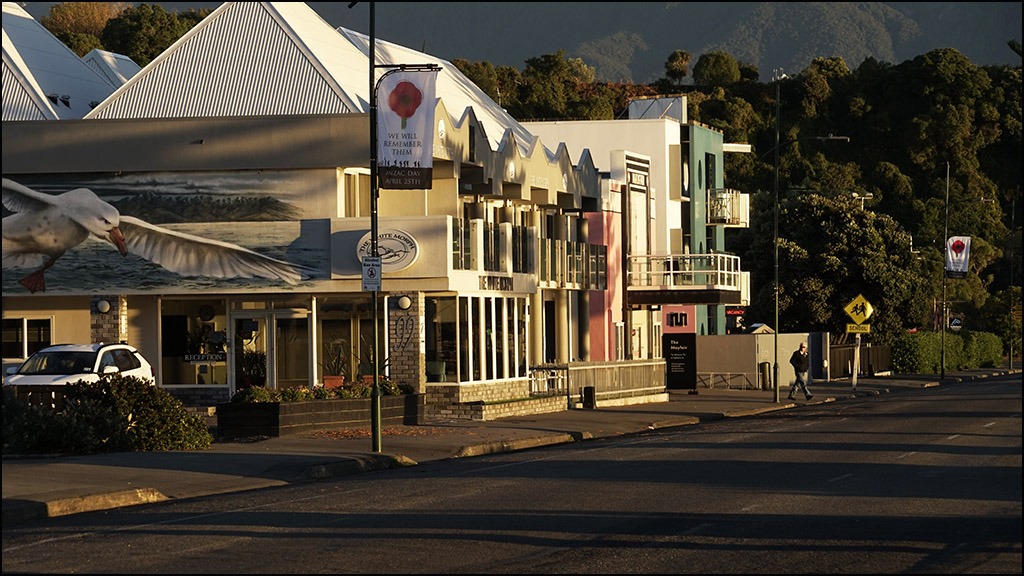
397 249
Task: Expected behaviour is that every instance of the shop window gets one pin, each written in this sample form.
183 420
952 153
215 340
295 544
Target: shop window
522 315
510 338
193 345
465 341
24 336
441 339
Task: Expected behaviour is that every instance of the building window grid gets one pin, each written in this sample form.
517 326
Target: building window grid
22 337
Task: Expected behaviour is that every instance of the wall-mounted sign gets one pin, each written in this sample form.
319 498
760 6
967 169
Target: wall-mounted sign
397 249
196 359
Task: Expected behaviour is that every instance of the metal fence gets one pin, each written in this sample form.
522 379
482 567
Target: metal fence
600 380
873 360
49 397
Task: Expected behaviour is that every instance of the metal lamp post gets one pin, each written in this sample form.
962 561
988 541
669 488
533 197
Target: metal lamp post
945 272
775 226
376 393
945 238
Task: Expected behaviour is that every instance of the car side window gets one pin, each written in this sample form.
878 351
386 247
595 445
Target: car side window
107 360
126 360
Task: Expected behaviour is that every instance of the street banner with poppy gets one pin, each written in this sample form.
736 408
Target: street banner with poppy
405 130
958 249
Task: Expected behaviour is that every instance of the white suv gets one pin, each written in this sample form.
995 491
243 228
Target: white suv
69 363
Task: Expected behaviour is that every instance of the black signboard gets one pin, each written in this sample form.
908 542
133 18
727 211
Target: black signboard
680 351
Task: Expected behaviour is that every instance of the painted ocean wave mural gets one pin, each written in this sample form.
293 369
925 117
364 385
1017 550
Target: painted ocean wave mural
73 239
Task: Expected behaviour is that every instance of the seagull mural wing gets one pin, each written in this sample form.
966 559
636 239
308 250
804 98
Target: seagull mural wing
18 198
43 227
196 256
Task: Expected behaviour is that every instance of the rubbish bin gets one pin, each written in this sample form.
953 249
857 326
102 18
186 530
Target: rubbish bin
766 375
589 397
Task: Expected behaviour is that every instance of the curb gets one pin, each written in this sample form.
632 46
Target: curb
523 444
25 510
356 466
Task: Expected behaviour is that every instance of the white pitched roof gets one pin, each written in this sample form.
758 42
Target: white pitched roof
245 59
38 67
299 65
115 68
453 87
23 98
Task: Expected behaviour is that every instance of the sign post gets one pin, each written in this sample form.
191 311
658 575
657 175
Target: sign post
859 310
407 149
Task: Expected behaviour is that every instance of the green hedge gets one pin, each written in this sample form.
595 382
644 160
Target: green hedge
116 414
349 390
921 353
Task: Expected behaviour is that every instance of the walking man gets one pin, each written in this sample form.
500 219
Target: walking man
799 361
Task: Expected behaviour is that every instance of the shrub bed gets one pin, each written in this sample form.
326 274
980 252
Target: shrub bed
921 353
116 414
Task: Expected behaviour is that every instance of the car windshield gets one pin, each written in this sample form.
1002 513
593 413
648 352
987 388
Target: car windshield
57 363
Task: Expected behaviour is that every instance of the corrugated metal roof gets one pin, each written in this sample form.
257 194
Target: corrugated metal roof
453 87
247 59
40 63
115 68
23 99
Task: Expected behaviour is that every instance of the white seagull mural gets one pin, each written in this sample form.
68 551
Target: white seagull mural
44 226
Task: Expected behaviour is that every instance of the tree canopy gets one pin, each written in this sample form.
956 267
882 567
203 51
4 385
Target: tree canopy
140 32
935 140
906 124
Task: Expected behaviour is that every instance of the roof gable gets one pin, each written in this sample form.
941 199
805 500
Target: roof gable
41 68
297 66
115 68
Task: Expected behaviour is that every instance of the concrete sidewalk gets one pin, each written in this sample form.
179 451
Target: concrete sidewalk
38 487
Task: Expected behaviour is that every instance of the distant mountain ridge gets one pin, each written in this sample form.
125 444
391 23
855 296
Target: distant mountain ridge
789 35
631 41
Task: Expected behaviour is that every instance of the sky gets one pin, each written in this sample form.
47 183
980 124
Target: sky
509 33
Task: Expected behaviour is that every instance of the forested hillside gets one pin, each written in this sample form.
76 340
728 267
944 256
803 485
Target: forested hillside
909 126
934 140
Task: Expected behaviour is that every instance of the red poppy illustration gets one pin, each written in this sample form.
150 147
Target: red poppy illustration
958 246
404 100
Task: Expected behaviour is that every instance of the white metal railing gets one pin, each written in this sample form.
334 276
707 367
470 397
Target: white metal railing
679 271
729 207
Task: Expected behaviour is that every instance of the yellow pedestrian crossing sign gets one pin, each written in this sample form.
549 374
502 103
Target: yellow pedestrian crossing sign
859 310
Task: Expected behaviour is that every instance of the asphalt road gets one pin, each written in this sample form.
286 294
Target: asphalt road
927 481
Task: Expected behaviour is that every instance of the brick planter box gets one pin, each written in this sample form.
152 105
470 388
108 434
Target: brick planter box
240 419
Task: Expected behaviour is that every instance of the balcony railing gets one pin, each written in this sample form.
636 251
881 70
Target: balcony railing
729 208
689 271
557 263
574 265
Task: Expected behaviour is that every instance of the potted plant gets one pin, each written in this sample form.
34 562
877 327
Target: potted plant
335 366
252 369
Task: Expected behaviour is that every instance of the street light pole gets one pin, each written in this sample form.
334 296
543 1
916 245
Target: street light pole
375 392
775 219
775 236
945 239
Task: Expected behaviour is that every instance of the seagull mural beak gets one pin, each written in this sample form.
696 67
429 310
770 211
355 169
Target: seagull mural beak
117 239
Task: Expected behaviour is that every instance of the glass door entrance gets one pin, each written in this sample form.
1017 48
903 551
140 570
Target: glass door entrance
251 347
271 349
